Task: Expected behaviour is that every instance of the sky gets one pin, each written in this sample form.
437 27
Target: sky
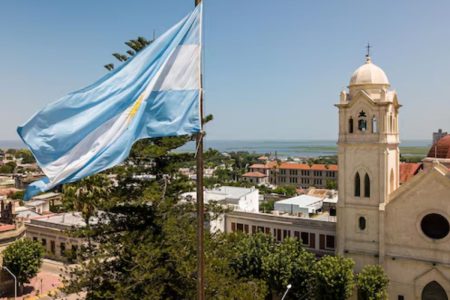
272 69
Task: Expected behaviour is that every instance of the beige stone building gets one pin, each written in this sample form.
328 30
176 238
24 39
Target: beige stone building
403 228
317 234
300 175
52 232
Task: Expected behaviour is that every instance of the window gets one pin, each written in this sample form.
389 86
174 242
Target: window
434 291
283 172
253 229
233 227
34 238
357 185
401 297
366 186
62 249
322 242
435 226
374 125
350 125
286 233
318 173
312 240
240 227
362 121
293 180
261 229
305 173
246 228
52 247
278 235
330 242
305 238
305 180
317 181
292 172
362 223
44 242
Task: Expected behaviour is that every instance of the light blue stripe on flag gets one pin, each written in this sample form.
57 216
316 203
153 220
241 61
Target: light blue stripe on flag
155 94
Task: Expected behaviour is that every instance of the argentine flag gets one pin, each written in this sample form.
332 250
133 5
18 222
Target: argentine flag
154 94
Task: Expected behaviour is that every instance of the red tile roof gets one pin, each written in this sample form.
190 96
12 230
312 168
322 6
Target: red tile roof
254 174
315 167
441 149
7 227
408 170
267 165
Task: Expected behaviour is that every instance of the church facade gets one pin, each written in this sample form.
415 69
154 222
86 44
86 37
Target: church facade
403 228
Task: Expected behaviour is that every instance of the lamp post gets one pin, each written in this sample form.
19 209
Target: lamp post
287 290
15 281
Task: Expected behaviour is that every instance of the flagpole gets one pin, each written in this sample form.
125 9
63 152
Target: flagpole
200 205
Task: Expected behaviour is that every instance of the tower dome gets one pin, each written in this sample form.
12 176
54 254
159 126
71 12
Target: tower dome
369 73
441 149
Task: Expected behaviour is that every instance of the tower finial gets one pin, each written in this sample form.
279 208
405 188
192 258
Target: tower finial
368 52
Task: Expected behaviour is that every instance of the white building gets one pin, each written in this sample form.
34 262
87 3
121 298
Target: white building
236 198
300 205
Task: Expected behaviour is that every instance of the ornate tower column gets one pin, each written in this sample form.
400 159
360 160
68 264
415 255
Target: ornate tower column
368 156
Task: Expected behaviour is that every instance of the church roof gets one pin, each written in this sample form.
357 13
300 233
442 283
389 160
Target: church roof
440 149
408 170
369 73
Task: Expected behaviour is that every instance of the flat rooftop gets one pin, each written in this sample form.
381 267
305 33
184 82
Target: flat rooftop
302 200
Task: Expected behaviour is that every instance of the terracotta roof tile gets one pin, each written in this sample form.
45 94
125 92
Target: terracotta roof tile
408 170
254 174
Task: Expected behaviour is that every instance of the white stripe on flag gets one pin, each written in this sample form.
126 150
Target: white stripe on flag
182 70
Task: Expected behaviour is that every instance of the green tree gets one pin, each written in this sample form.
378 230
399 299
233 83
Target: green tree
372 283
24 259
8 168
26 156
289 263
86 196
331 184
250 250
334 279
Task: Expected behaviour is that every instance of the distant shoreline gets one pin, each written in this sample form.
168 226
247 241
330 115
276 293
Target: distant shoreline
282 148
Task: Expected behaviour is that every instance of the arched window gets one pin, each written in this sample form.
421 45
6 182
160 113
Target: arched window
357 185
374 125
366 186
434 291
362 121
362 223
350 125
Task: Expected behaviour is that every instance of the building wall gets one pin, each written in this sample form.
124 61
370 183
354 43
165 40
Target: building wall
412 259
302 178
55 241
319 236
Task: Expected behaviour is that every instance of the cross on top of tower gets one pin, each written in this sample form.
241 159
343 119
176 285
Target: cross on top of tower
368 52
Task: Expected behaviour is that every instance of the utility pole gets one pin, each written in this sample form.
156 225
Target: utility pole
200 205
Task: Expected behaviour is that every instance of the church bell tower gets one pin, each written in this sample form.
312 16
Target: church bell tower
368 157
